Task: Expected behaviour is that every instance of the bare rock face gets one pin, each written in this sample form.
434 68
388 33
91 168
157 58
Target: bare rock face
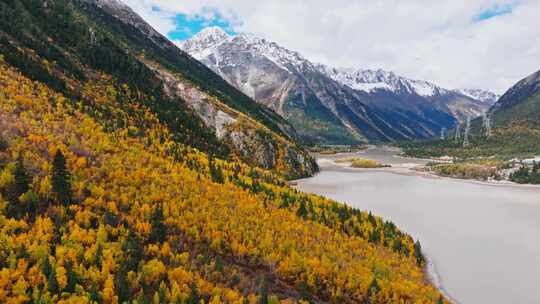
253 133
334 105
250 141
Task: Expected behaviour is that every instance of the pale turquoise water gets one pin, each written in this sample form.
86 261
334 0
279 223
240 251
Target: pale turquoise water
484 240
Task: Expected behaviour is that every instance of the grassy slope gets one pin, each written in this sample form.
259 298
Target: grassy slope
516 134
146 226
525 111
518 140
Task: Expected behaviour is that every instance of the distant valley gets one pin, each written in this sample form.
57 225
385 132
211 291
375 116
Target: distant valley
331 105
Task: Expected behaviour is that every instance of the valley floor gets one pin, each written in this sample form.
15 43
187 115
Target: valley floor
473 258
479 171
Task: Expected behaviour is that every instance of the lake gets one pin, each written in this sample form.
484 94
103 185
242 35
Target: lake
482 240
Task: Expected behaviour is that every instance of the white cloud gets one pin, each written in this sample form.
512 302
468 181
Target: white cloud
432 40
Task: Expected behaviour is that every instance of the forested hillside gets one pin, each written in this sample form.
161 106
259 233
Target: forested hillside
514 129
99 210
71 45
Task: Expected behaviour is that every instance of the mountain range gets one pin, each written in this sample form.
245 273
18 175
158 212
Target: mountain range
509 130
520 103
334 105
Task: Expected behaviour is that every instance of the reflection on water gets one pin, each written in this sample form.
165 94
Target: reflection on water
483 239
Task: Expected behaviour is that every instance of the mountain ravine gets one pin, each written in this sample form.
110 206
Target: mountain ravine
329 105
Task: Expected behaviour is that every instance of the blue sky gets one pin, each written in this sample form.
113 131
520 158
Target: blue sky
479 44
494 12
187 26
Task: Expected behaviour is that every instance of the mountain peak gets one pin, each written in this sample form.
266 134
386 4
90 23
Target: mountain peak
479 94
214 33
204 42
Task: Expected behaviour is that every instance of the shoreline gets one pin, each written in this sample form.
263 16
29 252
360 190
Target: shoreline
445 279
435 278
408 170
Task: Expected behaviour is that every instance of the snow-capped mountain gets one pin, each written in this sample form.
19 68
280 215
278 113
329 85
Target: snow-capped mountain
371 80
480 95
208 41
333 104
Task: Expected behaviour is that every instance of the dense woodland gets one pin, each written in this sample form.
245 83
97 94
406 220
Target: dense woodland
115 210
70 45
519 139
527 174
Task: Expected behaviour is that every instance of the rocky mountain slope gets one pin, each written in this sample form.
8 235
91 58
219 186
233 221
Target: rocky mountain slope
91 41
511 129
333 105
521 103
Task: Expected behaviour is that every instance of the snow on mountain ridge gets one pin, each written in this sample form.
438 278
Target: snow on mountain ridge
206 42
478 94
370 80
274 52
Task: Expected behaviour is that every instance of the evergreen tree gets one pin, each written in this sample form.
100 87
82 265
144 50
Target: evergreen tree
61 179
371 219
418 253
375 236
374 287
132 250
263 292
71 277
123 289
159 230
98 256
323 217
21 185
194 297
304 292
22 180
219 265
302 210
94 294
216 173
46 267
3 144
52 282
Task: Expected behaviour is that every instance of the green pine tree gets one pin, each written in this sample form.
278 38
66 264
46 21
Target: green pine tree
159 230
132 249
263 292
123 289
418 253
21 185
22 180
71 276
61 180
305 294
216 173
302 210
3 144
194 297
374 287
52 282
